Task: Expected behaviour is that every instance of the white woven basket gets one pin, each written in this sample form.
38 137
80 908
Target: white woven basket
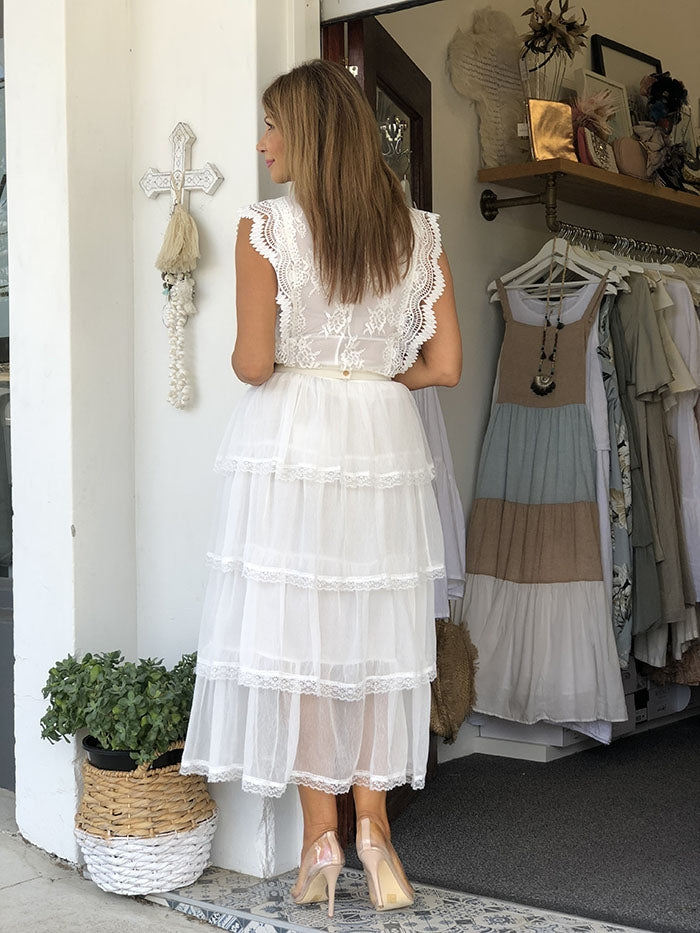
133 865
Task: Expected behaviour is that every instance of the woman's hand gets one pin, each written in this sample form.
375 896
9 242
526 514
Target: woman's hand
253 357
439 362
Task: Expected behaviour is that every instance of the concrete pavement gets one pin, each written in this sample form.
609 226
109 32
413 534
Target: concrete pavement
41 894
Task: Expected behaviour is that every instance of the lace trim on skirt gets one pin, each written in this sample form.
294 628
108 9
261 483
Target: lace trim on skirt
315 781
421 477
316 581
300 683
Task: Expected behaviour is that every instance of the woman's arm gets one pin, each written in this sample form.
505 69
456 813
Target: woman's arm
439 362
253 357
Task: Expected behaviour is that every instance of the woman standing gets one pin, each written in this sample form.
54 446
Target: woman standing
317 644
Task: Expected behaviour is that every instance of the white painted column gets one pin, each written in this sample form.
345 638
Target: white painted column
113 488
68 129
211 75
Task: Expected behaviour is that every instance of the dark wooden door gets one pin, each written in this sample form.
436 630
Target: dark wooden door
400 95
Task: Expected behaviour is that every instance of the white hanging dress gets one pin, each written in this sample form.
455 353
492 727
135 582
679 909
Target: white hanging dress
317 645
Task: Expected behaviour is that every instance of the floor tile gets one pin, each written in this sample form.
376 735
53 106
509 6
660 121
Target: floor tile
241 904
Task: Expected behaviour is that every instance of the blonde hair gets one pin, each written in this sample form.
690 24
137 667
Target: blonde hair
360 224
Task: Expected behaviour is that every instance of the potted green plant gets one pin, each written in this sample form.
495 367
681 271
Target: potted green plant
133 711
141 825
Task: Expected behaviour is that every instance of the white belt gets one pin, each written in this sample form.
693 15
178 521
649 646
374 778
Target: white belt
330 372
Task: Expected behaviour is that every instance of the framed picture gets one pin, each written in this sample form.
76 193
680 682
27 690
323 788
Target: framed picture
621 63
589 83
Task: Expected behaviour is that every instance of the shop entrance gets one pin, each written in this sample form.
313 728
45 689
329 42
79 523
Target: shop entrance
542 817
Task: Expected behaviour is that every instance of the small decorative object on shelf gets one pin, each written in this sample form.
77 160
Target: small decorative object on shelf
482 63
592 131
551 130
553 41
141 825
666 97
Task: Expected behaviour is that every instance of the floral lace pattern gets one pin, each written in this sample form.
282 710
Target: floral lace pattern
421 477
316 581
313 686
381 335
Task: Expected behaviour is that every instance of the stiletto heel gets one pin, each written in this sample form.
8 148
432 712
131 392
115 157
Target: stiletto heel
318 872
389 888
331 875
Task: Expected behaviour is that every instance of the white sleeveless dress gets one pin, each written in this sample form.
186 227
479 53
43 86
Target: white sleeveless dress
316 648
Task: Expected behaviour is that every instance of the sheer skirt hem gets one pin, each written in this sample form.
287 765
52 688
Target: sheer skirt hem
275 789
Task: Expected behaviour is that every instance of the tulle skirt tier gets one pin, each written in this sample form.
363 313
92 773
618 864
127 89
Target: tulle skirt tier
317 641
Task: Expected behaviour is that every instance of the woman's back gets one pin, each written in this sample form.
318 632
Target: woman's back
380 334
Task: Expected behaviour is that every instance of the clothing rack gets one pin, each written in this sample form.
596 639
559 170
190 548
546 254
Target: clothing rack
627 246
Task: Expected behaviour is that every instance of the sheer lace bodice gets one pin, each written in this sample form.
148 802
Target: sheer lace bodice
379 334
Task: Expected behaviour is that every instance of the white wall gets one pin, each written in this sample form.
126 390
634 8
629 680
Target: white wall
68 133
113 488
233 51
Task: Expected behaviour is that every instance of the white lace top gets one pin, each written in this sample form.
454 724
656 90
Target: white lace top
379 334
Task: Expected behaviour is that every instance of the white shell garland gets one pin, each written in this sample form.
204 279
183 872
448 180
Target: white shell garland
179 287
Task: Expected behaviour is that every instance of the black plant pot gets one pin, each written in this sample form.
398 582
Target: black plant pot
120 760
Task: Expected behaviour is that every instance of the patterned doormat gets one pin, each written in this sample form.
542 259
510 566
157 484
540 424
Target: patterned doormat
242 904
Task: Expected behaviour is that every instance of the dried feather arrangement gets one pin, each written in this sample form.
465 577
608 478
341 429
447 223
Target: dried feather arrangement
551 32
666 96
593 113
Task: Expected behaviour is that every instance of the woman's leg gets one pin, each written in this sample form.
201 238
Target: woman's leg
320 814
371 803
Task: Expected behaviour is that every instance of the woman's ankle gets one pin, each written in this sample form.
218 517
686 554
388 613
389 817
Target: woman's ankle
313 833
378 820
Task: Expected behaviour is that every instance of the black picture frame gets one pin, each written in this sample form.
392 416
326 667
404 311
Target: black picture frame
626 65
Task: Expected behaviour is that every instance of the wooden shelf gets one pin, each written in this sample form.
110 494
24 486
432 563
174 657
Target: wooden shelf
593 187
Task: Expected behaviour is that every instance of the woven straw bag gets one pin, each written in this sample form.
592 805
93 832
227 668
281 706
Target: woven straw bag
144 831
453 690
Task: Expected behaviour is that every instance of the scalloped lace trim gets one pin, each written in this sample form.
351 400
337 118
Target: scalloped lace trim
420 477
427 283
314 581
315 781
299 683
267 237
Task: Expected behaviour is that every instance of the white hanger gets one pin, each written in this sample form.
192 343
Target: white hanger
623 264
550 261
557 246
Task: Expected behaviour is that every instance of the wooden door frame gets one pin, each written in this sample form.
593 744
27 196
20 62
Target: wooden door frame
400 77
330 13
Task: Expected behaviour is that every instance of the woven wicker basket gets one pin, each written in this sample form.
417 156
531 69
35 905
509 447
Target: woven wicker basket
144 831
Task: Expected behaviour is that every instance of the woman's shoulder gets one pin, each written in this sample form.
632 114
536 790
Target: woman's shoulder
269 207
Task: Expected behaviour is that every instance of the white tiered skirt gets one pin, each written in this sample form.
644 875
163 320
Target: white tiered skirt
317 644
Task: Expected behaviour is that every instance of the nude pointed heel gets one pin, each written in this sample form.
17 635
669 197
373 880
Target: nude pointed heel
319 871
389 889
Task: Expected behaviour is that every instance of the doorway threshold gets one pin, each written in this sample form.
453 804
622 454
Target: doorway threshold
241 904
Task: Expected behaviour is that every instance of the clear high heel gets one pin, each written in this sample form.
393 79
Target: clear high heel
389 888
318 872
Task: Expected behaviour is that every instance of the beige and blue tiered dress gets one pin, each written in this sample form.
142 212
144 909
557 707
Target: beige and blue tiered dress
536 602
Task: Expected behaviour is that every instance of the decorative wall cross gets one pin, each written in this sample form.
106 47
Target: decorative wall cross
181 177
180 251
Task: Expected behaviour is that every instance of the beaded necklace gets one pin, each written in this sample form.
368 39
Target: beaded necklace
543 383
